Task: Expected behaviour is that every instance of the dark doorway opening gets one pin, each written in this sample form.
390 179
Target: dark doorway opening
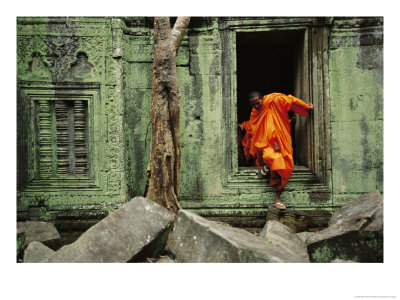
267 62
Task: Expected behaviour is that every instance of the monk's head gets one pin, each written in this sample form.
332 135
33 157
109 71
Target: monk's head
255 100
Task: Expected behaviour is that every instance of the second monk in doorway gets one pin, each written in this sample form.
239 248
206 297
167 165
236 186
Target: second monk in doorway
270 126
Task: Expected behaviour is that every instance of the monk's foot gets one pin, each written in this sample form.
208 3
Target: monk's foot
277 201
263 172
279 205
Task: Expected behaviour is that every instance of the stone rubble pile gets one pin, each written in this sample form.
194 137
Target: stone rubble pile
140 228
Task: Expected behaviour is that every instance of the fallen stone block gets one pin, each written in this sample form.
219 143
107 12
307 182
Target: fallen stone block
44 232
196 239
355 232
36 252
136 230
303 236
281 236
365 212
357 245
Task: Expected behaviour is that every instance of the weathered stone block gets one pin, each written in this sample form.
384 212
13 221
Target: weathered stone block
355 232
36 252
115 101
182 58
114 71
137 104
370 57
303 236
282 237
356 93
139 75
39 231
365 212
359 149
114 131
205 62
137 229
356 245
139 51
196 239
354 181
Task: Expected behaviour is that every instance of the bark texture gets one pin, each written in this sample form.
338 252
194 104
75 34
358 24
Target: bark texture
165 150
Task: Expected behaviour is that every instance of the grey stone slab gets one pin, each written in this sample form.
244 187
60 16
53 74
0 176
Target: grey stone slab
44 232
36 252
356 245
196 239
360 213
136 227
282 237
355 232
364 213
304 235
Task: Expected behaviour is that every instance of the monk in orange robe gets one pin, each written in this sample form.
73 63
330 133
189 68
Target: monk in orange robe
270 127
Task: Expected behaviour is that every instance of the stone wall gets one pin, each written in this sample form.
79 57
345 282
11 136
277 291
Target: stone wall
344 73
70 112
356 92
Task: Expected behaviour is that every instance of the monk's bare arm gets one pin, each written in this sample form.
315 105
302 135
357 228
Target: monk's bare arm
276 147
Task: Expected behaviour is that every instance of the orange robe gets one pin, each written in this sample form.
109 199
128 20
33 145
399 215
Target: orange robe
246 142
248 145
271 124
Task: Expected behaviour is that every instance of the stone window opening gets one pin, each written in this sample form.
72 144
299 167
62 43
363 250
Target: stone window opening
62 138
58 133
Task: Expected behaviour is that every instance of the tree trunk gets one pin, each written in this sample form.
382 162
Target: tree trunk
165 150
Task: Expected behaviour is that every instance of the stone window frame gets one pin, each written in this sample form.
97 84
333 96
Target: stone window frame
318 177
90 93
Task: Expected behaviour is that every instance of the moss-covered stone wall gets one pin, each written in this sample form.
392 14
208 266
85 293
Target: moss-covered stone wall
356 92
69 79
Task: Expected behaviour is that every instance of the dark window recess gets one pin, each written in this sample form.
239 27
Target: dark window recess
62 133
